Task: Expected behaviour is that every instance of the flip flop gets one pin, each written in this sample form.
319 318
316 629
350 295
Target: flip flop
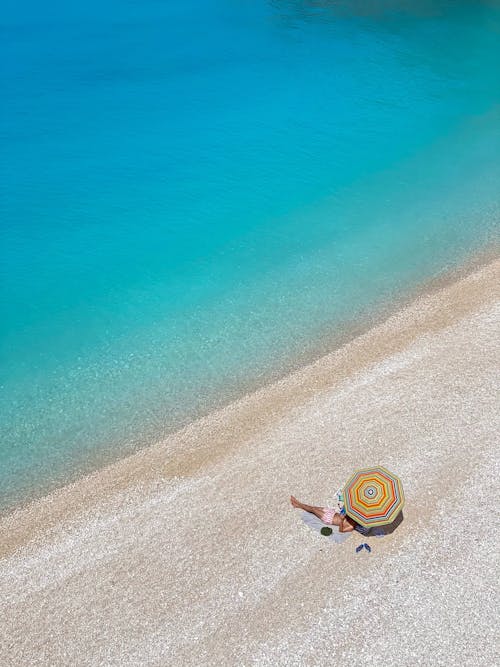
358 549
367 547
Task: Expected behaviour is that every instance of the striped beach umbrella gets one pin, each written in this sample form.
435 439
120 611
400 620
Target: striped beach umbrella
373 497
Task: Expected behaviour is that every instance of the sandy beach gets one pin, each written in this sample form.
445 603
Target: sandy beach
189 553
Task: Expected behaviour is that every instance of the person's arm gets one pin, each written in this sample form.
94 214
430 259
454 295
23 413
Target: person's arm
346 525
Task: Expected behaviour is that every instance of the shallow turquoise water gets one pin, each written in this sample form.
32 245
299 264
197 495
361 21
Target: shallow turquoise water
194 194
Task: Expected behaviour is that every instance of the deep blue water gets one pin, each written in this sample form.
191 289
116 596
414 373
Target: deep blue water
193 195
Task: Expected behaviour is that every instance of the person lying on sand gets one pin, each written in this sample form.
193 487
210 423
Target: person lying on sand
331 516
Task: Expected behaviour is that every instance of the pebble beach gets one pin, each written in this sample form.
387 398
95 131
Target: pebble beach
189 553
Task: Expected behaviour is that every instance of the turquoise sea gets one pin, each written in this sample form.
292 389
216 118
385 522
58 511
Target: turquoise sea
194 195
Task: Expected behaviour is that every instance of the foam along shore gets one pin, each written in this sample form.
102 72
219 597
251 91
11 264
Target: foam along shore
188 553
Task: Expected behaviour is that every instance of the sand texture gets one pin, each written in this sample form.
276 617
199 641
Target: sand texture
189 553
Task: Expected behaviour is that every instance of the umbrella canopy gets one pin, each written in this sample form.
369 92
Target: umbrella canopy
373 497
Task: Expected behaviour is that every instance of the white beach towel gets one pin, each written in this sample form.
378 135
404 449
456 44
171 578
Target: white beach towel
316 524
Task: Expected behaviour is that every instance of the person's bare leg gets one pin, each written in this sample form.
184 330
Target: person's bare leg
317 511
302 506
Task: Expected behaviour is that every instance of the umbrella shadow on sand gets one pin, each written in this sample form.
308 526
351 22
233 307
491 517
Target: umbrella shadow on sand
380 531
391 527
